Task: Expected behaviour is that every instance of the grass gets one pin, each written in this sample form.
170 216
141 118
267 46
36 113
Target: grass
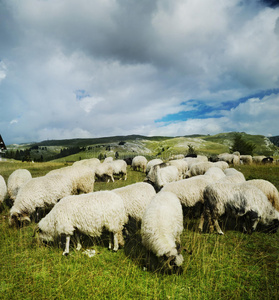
233 266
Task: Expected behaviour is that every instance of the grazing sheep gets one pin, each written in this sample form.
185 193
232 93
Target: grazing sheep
108 159
81 176
119 168
135 198
90 162
193 160
267 160
268 189
3 189
152 163
162 225
89 214
160 175
258 159
41 192
201 167
177 156
16 180
246 159
104 171
239 200
233 176
230 158
139 163
181 165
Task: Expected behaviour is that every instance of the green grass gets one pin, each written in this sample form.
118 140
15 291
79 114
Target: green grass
233 266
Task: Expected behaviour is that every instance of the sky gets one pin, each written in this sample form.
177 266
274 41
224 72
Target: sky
98 68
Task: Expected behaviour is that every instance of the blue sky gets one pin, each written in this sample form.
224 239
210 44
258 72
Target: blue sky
82 69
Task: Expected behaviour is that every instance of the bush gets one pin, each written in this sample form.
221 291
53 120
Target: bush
242 146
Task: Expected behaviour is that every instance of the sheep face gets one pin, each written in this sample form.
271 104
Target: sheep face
45 236
19 220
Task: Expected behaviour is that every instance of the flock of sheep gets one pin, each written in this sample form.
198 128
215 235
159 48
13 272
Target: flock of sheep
211 189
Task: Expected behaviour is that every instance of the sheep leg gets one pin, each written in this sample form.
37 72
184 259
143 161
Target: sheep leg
201 223
67 247
115 242
78 242
217 227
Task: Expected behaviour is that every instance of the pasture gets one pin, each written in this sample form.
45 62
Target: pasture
233 266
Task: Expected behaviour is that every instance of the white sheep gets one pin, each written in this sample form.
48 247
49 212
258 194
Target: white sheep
181 165
16 180
89 214
239 200
268 189
258 159
81 176
160 175
246 159
3 189
104 171
162 225
177 156
41 192
230 158
233 176
108 159
139 163
119 168
201 167
90 162
153 162
193 160
136 197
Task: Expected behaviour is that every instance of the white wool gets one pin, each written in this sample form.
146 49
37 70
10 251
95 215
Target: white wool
201 167
229 158
268 189
81 176
258 159
215 173
152 163
181 165
41 192
162 225
3 189
135 198
233 176
238 199
88 213
119 168
193 160
16 180
139 163
104 171
90 162
246 159
108 159
160 175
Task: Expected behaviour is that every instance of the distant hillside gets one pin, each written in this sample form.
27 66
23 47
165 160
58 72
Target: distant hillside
275 140
132 145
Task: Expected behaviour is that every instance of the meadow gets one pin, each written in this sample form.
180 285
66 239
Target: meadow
233 266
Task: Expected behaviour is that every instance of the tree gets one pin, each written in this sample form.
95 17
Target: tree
242 146
191 150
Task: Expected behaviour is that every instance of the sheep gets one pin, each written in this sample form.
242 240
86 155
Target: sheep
258 159
104 171
177 156
162 225
246 159
193 160
239 200
108 159
152 163
90 162
3 189
16 180
139 163
190 191
233 176
41 192
136 197
119 168
268 189
160 175
81 176
89 214
201 167
230 158
181 165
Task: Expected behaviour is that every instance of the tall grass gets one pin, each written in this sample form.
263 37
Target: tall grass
233 266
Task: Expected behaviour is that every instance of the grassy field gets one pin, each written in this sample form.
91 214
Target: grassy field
233 266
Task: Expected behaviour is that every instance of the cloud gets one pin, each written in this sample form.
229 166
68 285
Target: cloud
98 68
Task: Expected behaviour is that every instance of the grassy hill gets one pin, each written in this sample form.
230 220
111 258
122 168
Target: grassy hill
155 146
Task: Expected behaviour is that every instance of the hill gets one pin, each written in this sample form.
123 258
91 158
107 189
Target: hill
131 145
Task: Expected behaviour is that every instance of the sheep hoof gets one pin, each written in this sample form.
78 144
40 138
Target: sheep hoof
65 253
